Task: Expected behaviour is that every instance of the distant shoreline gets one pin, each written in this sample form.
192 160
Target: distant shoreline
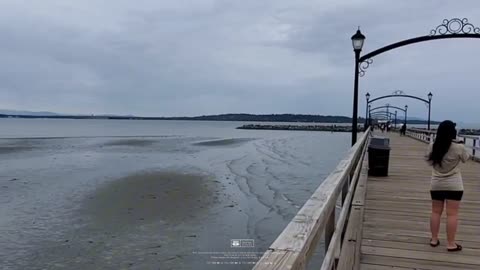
286 118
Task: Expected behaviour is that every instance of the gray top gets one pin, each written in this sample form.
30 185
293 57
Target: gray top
448 176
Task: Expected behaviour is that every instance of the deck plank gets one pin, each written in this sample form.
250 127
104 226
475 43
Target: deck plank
396 215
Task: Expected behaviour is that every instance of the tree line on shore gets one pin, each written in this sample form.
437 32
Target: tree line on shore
305 118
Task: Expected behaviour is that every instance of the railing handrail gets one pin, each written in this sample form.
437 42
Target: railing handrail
469 136
294 246
423 130
434 132
421 135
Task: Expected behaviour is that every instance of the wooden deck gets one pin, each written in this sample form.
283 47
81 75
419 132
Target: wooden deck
395 231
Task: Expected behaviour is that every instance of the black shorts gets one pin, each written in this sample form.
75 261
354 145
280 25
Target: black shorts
442 195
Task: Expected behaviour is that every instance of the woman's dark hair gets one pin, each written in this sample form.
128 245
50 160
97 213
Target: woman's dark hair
446 132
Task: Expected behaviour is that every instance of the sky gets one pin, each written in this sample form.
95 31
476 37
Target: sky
197 57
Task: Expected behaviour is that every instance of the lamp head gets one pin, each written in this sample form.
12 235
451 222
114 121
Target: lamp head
358 40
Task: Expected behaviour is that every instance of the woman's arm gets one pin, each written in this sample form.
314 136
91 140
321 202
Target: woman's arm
464 155
428 151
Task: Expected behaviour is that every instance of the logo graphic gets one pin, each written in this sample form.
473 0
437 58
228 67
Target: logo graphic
242 243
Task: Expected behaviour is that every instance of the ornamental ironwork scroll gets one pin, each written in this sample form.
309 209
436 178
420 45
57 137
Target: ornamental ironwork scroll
363 66
398 92
455 26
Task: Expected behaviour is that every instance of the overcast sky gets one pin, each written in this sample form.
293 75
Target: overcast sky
175 57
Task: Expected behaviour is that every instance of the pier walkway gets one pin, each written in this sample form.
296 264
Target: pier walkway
384 221
396 215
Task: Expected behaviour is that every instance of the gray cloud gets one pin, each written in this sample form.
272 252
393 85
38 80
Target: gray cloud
204 57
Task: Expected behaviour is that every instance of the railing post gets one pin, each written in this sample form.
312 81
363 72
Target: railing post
346 185
329 229
473 150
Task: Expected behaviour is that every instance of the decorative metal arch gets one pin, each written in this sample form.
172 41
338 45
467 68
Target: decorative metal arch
371 111
386 118
398 92
382 113
385 106
453 28
398 95
382 116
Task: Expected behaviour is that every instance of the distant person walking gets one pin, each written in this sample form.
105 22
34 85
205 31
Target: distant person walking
403 129
445 156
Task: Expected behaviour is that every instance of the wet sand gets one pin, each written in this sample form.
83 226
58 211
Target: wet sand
13 149
18 145
223 142
149 196
139 221
131 142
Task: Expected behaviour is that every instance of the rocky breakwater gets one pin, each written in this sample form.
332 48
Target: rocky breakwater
330 128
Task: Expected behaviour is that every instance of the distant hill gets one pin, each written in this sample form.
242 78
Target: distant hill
305 118
15 112
221 117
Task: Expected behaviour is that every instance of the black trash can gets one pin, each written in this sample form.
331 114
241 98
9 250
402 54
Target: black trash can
378 156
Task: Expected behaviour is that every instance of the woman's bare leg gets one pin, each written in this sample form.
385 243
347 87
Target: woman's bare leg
437 208
452 222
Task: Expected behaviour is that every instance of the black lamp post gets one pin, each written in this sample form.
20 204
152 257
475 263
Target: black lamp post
406 110
389 116
395 120
430 95
366 111
369 114
357 43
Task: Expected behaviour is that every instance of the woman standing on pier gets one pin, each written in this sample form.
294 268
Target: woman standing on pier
445 155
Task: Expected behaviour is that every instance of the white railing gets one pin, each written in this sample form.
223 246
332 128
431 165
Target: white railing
421 134
295 245
471 142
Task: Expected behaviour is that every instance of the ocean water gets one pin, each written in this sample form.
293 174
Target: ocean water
73 193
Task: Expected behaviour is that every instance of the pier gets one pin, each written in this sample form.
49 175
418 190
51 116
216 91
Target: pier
384 221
